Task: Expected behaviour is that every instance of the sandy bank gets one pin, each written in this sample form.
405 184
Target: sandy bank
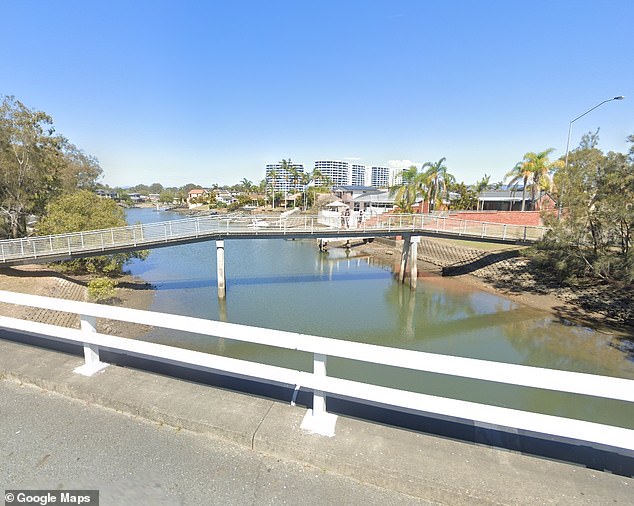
41 280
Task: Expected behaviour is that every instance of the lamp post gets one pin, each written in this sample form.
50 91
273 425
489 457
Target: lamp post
620 97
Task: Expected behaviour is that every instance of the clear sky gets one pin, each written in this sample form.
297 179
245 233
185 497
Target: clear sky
210 91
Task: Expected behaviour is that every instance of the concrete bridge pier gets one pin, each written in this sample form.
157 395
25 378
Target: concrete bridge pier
409 254
413 262
220 266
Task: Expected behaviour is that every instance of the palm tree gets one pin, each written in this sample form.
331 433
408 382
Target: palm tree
481 186
246 185
534 169
273 175
319 179
304 180
295 179
541 166
286 169
437 179
521 172
405 194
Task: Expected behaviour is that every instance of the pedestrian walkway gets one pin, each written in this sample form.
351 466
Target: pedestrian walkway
426 467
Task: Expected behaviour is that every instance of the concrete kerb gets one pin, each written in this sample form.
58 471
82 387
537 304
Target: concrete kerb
430 467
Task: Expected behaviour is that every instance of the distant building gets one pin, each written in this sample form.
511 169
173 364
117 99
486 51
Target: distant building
358 175
511 200
374 202
107 194
383 177
336 170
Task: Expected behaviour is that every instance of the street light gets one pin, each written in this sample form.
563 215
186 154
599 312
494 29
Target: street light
620 97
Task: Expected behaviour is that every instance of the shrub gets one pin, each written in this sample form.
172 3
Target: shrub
101 289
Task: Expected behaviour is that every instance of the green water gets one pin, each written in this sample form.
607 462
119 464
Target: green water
290 285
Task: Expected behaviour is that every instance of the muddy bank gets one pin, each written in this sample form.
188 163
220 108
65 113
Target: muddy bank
41 280
505 272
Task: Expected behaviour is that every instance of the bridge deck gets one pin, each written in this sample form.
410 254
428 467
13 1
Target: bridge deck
43 249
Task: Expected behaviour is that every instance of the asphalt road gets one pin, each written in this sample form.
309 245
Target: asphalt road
50 441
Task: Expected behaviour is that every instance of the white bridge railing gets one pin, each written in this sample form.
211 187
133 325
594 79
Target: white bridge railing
149 235
322 384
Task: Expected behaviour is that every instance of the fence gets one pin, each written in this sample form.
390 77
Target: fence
318 419
149 235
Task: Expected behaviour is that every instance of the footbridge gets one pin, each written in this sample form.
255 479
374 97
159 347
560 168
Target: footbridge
52 248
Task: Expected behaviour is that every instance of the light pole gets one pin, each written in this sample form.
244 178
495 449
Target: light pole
620 97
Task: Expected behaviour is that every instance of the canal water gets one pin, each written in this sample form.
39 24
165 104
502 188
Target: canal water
290 285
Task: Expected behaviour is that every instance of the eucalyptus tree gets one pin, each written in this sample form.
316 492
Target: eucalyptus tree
437 179
36 164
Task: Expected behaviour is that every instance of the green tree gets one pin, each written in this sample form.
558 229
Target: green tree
81 211
30 163
540 167
405 194
437 179
481 186
468 198
167 197
520 172
36 165
594 237
155 188
273 175
246 185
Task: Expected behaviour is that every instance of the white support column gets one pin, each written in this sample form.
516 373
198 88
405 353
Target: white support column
220 264
413 262
92 364
404 257
318 420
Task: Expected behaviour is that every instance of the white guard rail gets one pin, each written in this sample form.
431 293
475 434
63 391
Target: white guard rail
318 420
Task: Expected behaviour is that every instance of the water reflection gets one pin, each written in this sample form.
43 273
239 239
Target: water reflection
290 285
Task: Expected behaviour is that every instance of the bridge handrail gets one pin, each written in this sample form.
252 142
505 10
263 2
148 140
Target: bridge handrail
64 246
322 347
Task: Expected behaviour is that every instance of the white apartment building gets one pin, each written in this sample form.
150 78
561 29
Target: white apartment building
284 180
358 175
383 177
337 171
340 173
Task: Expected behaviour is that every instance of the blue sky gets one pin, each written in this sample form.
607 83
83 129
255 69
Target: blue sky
209 92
